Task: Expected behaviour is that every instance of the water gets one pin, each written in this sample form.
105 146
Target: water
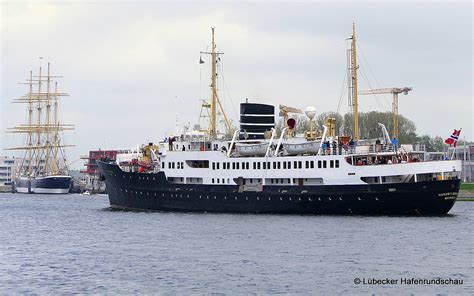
73 244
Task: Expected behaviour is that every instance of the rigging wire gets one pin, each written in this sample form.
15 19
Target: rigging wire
343 92
375 95
226 88
373 74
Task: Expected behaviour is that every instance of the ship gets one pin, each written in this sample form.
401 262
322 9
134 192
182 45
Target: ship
44 167
263 169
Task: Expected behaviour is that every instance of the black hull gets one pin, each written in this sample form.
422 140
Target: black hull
152 192
45 185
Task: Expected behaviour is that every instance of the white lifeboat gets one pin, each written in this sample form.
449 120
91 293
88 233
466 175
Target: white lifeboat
251 149
304 147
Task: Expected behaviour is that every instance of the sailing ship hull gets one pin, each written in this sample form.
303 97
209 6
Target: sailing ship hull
45 185
152 192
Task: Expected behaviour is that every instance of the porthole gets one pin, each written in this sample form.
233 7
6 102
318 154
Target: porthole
236 198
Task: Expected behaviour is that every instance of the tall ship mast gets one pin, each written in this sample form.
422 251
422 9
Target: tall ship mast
266 169
43 168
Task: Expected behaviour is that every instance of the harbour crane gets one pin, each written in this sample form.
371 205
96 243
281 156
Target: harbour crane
395 91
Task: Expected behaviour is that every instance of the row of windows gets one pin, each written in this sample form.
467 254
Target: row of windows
218 181
172 165
277 165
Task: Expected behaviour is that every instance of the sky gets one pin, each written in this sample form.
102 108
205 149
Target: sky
132 68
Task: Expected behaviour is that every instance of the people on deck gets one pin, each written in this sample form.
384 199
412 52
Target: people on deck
395 144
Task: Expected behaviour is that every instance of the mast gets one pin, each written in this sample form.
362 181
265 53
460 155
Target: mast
30 124
48 123
212 125
56 130
215 101
39 152
355 107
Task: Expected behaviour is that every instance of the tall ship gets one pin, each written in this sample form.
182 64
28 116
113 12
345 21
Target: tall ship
44 167
262 168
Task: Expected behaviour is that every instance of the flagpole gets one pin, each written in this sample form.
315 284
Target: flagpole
463 167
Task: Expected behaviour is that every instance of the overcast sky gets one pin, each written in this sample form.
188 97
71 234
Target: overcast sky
130 68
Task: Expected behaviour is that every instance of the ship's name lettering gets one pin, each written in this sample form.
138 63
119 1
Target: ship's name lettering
448 195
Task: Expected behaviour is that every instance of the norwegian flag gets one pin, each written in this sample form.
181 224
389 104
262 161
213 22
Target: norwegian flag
453 139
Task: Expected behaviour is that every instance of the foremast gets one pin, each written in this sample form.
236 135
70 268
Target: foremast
215 100
353 84
43 151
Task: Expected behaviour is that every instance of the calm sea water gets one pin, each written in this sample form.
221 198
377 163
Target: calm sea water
74 244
